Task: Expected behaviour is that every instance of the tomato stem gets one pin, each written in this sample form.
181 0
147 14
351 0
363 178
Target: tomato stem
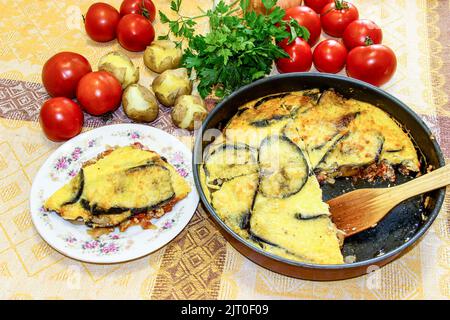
368 41
144 10
340 4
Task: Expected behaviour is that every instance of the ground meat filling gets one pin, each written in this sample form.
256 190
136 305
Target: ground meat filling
382 170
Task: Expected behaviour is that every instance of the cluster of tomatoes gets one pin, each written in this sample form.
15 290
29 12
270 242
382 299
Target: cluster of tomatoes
68 75
360 50
65 76
132 25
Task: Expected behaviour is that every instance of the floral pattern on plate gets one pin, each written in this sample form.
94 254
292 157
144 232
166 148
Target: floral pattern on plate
72 239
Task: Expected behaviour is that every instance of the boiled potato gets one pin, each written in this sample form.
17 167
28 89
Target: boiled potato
121 67
139 103
162 55
187 111
171 84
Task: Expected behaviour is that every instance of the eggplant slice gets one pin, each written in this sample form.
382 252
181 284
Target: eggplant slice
277 97
233 202
77 185
398 148
356 150
272 109
136 189
65 201
68 194
283 167
268 116
228 161
318 129
315 150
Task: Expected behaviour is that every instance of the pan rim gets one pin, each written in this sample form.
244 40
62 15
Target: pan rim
352 82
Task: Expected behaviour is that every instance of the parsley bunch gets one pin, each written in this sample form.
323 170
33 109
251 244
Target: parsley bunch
236 50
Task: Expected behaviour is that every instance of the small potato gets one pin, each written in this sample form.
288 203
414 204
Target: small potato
121 67
162 55
139 103
188 111
171 84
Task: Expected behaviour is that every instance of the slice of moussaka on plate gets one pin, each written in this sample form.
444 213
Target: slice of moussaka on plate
121 187
262 174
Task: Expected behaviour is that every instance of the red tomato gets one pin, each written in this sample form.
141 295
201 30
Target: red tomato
357 33
306 17
317 5
375 64
336 16
300 56
101 22
329 56
99 92
61 119
61 73
134 32
142 7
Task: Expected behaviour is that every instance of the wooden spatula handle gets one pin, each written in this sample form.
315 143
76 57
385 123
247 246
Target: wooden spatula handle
430 181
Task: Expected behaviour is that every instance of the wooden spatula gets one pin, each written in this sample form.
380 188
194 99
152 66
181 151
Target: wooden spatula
361 209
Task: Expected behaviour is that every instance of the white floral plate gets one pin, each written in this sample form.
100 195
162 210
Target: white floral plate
71 239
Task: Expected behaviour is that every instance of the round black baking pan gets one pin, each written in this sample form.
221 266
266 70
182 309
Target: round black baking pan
373 248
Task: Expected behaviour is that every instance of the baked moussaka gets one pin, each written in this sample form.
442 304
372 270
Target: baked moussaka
262 175
123 186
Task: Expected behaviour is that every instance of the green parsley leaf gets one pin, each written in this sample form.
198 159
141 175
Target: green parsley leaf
165 37
237 49
269 4
163 17
175 5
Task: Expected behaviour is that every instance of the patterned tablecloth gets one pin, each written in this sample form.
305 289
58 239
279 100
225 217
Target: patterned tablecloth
199 263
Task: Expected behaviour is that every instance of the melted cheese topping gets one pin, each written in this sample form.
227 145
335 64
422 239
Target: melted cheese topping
123 189
64 194
233 202
229 161
312 241
307 203
332 132
254 124
105 181
398 147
